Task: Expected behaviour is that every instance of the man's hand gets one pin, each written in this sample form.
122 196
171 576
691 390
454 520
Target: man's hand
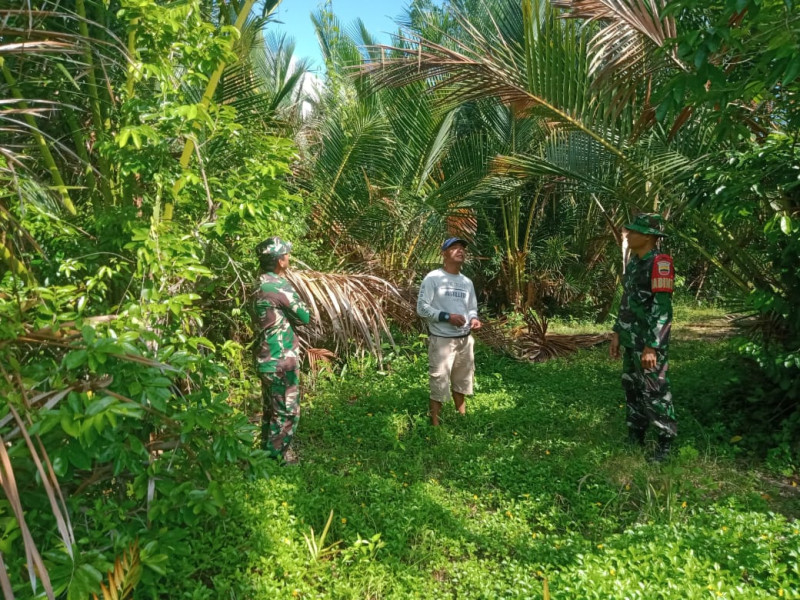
613 350
648 358
474 324
457 320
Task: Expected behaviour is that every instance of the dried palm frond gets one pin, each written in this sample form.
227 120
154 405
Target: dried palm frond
123 579
316 358
403 310
533 343
33 559
48 477
493 335
539 346
16 424
557 345
348 308
5 582
623 17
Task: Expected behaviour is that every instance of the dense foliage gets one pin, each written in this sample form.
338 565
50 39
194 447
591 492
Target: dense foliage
685 109
121 316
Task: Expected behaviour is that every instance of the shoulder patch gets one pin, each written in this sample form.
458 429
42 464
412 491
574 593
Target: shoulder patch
662 278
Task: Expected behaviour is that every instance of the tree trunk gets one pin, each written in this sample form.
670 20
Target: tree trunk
41 142
94 104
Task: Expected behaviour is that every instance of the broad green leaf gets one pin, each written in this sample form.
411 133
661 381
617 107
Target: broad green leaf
75 359
99 406
70 425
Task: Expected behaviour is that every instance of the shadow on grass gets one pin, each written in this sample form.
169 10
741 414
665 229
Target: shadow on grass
535 474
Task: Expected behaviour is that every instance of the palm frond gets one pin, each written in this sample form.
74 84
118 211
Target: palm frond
45 44
641 16
628 49
534 343
340 51
529 59
125 575
265 85
316 358
5 582
36 567
348 309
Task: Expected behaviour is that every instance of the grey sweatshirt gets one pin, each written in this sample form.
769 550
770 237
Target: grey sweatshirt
444 292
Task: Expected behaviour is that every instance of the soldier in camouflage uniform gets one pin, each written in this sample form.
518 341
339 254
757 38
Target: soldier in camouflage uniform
642 330
277 309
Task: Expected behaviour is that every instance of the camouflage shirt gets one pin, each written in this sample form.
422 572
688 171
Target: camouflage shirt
277 308
645 314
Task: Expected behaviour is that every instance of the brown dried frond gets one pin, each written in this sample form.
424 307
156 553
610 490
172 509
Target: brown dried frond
494 335
533 343
622 50
347 308
317 357
33 559
403 311
125 575
642 16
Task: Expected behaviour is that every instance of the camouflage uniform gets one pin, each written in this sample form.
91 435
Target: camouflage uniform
645 320
277 309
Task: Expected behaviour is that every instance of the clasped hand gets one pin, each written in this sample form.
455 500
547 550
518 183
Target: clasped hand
461 320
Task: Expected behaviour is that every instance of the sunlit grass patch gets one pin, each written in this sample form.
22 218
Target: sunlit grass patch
534 483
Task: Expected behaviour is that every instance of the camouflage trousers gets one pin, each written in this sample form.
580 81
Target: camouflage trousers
648 394
280 394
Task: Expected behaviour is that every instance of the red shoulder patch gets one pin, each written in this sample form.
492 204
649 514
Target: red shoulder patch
662 278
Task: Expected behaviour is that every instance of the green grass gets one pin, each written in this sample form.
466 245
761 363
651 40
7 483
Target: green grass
684 314
535 482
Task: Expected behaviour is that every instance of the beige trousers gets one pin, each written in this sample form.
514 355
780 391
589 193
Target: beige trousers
451 365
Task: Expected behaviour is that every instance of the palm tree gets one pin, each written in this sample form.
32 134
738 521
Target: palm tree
601 139
72 95
390 168
45 161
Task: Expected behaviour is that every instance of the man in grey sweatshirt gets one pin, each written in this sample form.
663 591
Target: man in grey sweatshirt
447 302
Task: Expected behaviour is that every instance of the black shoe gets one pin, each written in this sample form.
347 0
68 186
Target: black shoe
662 450
636 437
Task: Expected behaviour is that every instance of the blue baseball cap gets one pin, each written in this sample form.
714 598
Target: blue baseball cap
454 240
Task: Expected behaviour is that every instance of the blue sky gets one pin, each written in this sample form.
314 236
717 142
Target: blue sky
378 16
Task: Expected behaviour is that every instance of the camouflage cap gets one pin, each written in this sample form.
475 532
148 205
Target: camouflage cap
273 247
648 224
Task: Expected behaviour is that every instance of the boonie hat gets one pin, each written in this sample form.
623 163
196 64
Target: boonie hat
648 224
274 247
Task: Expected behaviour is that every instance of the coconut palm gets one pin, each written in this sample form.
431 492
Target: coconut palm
389 168
602 140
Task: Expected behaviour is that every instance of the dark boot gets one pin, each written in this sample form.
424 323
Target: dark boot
636 437
662 450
